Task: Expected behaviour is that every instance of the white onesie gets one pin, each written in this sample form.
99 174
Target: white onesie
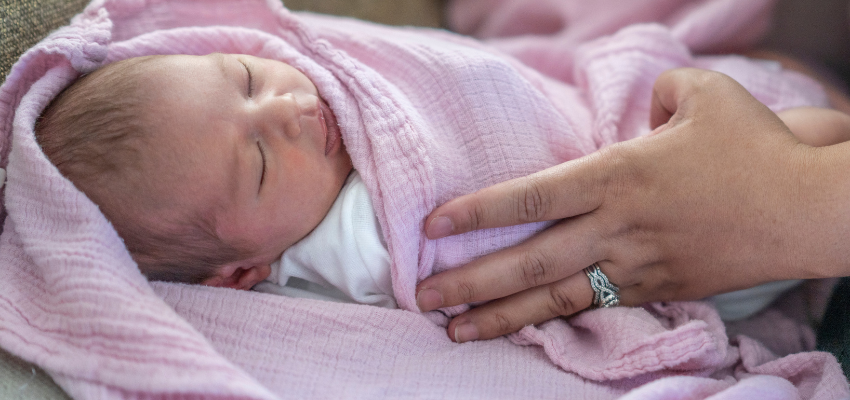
345 259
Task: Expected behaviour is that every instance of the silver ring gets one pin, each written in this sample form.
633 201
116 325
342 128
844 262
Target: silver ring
604 292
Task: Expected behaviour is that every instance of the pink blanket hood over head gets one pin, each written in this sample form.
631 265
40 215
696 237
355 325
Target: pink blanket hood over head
426 116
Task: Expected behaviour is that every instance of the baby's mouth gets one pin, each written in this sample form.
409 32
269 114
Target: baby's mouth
330 127
317 119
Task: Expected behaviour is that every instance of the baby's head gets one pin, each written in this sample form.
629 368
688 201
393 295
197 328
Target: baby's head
208 167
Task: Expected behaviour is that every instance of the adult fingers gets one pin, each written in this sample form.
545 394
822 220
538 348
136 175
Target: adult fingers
681 91
561 251
578 186
562 191
565 297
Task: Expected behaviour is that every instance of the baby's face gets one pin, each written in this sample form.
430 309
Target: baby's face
246 142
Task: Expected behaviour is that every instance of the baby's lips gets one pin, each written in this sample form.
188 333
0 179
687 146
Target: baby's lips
332 132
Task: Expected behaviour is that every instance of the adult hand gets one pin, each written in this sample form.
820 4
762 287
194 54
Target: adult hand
719 197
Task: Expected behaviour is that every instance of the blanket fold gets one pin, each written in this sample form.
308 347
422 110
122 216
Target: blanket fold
426 116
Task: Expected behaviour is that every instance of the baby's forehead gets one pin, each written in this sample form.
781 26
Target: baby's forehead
184 65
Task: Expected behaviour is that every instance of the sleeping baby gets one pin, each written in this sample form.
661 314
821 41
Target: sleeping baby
230 170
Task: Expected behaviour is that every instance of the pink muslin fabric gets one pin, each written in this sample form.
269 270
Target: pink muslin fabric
426 116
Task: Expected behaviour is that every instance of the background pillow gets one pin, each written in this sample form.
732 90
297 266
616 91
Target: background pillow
26 22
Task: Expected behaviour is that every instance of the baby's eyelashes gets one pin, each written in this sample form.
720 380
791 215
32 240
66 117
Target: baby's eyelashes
250 86
263 172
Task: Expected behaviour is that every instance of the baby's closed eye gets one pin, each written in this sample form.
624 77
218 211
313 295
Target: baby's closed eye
263 172
250 85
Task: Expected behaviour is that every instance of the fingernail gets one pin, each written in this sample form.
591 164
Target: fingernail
439 227
429 299
466 332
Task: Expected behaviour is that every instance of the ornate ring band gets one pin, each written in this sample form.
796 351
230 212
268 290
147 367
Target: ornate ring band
604 292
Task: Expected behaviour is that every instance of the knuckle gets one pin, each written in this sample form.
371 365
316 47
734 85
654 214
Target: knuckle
560 301
475 216
613 160
536 200
534 268
698 77
622 172
709 79
706 81
465 291
627 183
503 323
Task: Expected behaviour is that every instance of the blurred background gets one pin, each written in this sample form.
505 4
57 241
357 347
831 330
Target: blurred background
391 12
25 22
817 31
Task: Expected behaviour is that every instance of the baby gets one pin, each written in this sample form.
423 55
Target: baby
242 160
214 169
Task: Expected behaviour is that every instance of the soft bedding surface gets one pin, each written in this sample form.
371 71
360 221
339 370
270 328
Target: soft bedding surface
426 116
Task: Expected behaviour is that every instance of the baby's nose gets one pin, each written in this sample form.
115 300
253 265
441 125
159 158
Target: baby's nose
284 113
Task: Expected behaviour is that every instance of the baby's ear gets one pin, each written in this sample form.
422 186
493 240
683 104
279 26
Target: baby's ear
239 277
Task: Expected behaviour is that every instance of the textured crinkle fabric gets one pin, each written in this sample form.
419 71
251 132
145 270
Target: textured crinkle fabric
426 116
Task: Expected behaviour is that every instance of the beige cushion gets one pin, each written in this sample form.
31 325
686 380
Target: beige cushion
392 12
25 22
22 380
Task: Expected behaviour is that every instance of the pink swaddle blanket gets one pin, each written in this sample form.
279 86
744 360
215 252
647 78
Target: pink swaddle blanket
426 116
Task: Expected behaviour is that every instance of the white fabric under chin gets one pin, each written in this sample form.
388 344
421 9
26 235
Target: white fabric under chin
343 259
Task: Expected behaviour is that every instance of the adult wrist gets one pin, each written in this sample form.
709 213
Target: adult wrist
821 203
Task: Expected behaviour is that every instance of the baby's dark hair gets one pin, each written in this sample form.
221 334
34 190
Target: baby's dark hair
93 132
